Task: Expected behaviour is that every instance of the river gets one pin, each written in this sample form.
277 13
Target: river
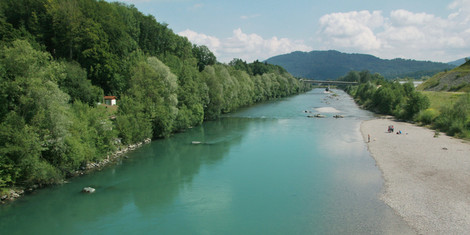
266 169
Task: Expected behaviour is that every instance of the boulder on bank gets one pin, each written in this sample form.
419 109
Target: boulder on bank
88 190
11 195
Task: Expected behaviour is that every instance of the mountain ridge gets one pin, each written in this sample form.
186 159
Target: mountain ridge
332 64
458 62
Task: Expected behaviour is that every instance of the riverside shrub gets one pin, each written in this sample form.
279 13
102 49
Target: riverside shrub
427 116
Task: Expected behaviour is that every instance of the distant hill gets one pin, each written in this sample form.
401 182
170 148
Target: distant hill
457 62
331 64
457 79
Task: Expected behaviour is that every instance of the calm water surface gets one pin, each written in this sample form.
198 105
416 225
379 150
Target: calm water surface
267 169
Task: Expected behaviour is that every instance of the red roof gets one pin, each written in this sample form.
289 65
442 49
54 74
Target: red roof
110 98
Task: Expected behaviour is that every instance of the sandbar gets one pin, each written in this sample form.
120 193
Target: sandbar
327 110
427 178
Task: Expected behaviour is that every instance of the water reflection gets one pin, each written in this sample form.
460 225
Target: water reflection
172 163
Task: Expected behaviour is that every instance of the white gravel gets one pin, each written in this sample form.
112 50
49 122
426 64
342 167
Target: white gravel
427 179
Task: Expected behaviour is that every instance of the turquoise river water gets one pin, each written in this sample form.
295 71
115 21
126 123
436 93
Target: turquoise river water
267 169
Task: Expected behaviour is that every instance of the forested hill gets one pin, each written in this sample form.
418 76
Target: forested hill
58 58
333 64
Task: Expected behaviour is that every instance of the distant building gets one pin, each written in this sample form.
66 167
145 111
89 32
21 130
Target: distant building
110 100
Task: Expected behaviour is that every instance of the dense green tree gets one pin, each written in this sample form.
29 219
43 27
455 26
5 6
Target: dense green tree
43 136
415 103
216 101
132 123
156 87
192 96
39 106
384 100
78 87
93 131
204 56
20 150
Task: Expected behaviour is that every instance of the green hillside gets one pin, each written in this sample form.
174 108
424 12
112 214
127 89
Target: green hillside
457 80
333 64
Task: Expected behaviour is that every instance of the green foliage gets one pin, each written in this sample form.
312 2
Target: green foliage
43 136
427 116
8 172
132 123
455 119
385 97
414 104
384 100
215 93
257 67
78 87
230 88
204 56
20 150
154 86
93 129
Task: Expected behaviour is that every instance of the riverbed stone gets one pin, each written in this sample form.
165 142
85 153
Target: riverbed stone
88 190
13 194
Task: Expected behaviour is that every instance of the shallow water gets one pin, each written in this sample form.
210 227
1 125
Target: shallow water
267 169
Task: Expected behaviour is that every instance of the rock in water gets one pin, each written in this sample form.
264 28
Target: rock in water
88 190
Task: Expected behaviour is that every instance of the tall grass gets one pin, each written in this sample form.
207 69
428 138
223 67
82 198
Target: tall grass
449 112
441 99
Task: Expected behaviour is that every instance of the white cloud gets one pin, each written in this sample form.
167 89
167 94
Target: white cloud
351 29
248 47
401 34
201 39
196 6
405 18
462 11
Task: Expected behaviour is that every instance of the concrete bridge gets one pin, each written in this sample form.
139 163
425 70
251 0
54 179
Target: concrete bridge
328 82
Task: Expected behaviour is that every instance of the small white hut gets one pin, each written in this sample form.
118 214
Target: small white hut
110 100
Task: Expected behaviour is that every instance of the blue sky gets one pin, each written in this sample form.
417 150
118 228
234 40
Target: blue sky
436 30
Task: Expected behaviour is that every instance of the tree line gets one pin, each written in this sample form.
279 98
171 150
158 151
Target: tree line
377 94
58 58
402 100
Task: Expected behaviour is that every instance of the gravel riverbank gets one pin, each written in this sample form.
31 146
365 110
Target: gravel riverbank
427 178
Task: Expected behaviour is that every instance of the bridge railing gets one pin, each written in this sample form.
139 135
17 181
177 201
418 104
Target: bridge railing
328 82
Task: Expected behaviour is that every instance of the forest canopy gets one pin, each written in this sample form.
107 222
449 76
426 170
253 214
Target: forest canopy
58 58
